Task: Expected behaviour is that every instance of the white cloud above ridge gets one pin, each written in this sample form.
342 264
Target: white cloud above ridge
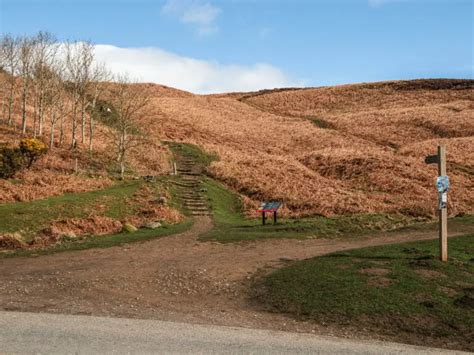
198 76
200 14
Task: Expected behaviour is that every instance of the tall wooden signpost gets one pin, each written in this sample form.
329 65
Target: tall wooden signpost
442 185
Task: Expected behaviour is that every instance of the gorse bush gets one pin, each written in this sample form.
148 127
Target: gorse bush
13 159
32 149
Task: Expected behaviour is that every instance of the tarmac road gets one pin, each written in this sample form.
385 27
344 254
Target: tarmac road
22 332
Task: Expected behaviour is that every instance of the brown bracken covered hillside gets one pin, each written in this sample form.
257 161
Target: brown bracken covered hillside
335 150
330 150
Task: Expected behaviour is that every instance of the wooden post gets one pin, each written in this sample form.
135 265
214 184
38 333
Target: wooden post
443 212
263 218
274 217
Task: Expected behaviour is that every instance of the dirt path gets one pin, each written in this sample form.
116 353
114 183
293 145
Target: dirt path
172 278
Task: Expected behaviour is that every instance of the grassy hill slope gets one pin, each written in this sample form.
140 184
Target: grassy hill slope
335 150
323 151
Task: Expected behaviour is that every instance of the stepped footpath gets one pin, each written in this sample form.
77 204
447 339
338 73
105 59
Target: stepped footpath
190 188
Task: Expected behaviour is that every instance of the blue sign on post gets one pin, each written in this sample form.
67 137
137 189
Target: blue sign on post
442 185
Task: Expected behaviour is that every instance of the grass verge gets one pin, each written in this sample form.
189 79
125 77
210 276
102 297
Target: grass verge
105 241
28 218
232 226
399 290
181 150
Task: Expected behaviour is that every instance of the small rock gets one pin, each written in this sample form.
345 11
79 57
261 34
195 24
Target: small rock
69 235
130 228
152 225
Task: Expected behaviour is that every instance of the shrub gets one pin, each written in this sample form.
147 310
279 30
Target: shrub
11 161
32 149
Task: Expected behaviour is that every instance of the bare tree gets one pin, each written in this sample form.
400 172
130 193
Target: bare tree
44 54
79 56
10 48
100 75
3 83
73 77
128 102
86 78
26 64
55 98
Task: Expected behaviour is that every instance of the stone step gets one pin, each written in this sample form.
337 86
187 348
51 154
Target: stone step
188 173
193 200
188 185
195 204
198 213
190 177
198 209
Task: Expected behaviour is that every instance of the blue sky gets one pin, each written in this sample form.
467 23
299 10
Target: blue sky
211 45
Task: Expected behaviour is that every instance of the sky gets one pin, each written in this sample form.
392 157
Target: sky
209 46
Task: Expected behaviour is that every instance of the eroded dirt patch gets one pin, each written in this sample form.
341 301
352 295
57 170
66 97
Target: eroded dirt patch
379 282
374 271
429 274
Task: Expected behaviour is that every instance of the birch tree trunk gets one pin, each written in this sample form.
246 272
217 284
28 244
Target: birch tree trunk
53 123
4 97
74 123
41 114
83 121
11 102
35 115
61 130
23 107
91 122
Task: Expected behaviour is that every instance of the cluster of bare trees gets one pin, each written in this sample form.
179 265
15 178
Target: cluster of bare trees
63 81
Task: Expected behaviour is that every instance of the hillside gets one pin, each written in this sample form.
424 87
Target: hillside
335 150
324 151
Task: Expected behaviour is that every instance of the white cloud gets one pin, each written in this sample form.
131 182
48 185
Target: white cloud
194 12
194 75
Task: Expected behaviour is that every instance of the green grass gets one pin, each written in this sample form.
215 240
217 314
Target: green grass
181 150
28 218
105 241
332 288
232 226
